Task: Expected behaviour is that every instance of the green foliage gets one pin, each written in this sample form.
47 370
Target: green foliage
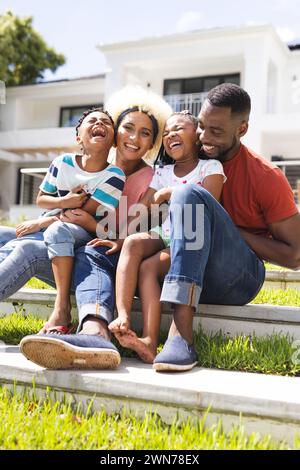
274 267
278 297
24 55
14 327
267 355
32 423
35 283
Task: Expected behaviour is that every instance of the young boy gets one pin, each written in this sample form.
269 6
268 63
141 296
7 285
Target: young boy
84 181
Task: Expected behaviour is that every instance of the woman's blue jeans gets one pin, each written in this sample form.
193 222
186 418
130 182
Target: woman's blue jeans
210 261
93 277
21 259
94 282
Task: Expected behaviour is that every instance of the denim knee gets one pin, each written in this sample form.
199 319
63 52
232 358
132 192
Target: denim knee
191 194
94 276
59 240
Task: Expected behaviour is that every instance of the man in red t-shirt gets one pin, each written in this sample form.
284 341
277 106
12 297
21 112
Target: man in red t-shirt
259 221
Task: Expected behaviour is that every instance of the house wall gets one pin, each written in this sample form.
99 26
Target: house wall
269 71
256 53
38 106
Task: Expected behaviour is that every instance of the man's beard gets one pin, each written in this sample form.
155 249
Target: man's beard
222 156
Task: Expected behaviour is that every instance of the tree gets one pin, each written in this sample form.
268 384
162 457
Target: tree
24 55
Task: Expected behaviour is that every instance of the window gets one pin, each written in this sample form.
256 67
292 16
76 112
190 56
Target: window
180 86
28 191
29 181
69 116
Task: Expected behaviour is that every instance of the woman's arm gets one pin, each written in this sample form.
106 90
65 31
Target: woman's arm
33 226
80 217
147 199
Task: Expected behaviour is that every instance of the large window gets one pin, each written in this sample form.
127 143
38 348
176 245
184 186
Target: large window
28 188
179 86
69 116
29 181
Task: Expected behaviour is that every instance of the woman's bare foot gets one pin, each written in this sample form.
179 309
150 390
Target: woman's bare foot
141 346
61 318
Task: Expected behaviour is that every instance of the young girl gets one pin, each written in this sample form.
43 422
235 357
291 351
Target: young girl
181 144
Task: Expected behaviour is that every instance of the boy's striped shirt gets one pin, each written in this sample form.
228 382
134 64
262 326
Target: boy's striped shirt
64 174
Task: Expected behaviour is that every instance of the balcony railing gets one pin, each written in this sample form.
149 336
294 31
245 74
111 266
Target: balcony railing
291 169
190 101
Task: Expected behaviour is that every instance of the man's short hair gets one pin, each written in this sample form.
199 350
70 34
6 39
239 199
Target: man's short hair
228 95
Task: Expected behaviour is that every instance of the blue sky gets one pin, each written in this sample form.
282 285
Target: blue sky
74 27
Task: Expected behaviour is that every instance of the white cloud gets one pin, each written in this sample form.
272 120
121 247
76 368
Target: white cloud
286 34
190 20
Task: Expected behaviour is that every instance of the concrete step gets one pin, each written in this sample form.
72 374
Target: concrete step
268 404
282 280
231 320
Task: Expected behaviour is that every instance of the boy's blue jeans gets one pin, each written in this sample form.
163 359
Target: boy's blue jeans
62 238
224 270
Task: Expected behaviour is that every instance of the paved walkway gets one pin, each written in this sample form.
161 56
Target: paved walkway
269 404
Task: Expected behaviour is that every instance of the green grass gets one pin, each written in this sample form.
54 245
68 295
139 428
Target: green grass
35 283
275 267
6 222
14 327
278 297
31 423
268 355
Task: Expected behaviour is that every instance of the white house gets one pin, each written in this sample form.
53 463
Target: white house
37 124
182 67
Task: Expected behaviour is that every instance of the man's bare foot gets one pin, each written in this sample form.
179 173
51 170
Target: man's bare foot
95 326
140 345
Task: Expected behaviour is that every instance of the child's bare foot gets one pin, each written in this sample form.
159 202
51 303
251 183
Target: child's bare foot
119 325
140 345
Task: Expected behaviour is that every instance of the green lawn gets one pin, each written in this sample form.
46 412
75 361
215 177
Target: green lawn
29 423
278 297
268 355
35 283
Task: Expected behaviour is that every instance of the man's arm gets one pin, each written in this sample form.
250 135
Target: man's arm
284 248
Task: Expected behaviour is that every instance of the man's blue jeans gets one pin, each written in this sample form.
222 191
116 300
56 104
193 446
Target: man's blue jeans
224 270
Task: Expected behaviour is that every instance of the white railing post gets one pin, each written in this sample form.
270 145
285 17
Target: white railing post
190 101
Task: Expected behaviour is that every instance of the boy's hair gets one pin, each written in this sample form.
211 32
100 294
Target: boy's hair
89 111
163 158
228 95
